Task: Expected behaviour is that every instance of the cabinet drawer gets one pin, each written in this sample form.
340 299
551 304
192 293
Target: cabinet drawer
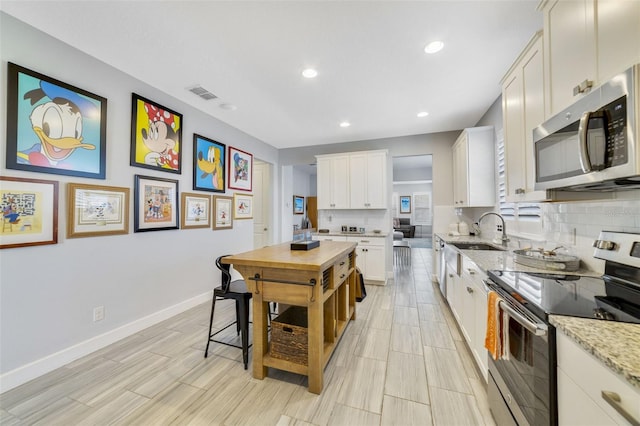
367 241
593 377
340 270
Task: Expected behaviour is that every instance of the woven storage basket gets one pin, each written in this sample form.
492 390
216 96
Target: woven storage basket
289 336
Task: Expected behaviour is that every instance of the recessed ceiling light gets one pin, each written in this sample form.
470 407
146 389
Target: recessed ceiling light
345 124
228 107
423 114
434 46
310 73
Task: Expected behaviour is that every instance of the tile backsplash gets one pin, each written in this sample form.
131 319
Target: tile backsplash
578 224
369 219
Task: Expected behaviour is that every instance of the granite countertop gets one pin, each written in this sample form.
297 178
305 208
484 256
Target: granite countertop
614 343
502 260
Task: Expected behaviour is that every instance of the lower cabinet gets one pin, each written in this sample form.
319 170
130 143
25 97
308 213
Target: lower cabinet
584 383
467 298
371 257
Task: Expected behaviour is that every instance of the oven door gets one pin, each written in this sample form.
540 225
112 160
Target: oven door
526 378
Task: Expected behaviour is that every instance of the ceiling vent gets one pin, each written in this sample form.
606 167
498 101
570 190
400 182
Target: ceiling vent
202 92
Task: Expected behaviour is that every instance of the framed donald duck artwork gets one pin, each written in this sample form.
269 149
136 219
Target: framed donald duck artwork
53 127
156 136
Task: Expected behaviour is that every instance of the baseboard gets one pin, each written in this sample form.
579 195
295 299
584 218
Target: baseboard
25 373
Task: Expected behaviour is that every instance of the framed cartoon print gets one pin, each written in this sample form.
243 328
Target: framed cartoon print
156 136
29 212
223 212
240 169
242 206
54 127
196 210
209 161
155 204
97 210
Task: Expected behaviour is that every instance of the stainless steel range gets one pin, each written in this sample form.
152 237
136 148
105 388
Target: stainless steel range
522 386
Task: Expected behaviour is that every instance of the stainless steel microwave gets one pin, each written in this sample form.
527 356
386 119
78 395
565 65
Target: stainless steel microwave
593 144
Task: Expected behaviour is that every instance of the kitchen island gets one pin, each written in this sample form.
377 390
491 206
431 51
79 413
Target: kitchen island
322 280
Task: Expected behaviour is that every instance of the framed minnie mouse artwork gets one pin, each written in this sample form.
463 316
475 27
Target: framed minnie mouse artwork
156 136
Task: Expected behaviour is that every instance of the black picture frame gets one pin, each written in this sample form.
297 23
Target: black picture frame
156 136
156 204
54 127
209 164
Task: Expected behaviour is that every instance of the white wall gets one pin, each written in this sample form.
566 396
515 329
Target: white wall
48 292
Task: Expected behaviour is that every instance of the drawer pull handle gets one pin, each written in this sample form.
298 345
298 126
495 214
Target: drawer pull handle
342 276
614 400
342 263
287 329
471 271
469 290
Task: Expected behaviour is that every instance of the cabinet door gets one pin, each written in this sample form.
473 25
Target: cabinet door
460 172
533 114
375 263
358 180
480 352
618 35
376 177
467 313
324 183
570 49
514 146
340 182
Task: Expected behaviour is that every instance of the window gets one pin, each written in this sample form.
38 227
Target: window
512 211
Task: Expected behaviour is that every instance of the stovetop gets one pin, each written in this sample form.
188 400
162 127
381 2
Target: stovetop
573 295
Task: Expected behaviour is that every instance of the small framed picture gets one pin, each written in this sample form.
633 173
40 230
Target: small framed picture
298 204
242 206
222 212
155 204
196 210
29 212
156 136
96 210
405 204
209 162
240 169
53 127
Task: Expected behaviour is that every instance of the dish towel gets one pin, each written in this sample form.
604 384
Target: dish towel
497 338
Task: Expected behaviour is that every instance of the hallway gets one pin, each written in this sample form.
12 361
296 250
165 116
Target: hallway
402 362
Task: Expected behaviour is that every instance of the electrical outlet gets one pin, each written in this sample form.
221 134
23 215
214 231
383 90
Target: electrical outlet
98 313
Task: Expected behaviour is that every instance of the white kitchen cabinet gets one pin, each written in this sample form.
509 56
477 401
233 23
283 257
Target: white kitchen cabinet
368 180
371 257
581 380
333 182
474 316
473 168
586 42
523 110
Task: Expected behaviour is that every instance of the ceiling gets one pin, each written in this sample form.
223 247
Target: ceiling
372 69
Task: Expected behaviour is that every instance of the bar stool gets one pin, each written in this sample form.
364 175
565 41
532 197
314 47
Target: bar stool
236 290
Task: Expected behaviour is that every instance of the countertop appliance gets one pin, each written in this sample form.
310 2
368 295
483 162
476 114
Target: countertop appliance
593 144
523 388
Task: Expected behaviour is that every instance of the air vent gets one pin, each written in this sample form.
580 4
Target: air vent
202 92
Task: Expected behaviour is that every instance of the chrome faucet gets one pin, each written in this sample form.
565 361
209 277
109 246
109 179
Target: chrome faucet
505 239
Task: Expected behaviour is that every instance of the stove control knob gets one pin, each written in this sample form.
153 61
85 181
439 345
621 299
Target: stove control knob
604 245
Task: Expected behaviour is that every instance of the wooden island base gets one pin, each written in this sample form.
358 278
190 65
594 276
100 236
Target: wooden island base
323 280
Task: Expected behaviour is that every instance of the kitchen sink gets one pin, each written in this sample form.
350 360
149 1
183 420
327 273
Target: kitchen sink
476 246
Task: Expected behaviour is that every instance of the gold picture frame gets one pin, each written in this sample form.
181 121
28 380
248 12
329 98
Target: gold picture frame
222 212
242 206
97 210
196 210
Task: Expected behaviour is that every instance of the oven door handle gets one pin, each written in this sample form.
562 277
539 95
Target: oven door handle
539 329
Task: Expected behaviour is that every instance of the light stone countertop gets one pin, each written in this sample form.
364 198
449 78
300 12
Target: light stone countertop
616 344
351 234
502 260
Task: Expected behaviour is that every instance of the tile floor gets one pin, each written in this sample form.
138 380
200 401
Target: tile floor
402 362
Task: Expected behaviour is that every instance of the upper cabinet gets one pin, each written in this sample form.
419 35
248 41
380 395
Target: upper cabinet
474 168
368 173
586 42
352 181
523 110
333 182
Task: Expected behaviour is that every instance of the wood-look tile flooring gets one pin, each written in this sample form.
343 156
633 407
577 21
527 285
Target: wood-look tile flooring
402 362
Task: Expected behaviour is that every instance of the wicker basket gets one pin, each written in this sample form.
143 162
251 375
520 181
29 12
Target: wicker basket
290 337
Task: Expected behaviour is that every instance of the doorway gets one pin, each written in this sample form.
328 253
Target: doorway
413 180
